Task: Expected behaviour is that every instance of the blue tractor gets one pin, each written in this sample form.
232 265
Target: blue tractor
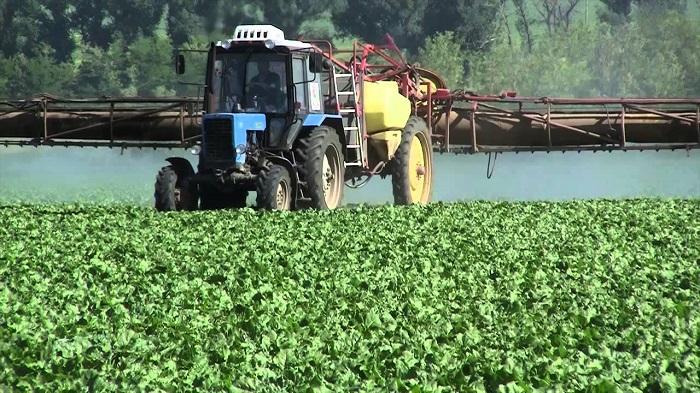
280 120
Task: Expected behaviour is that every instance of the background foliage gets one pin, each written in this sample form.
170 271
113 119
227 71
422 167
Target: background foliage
541 47
476 297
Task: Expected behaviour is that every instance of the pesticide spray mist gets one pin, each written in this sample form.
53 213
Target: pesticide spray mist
59 175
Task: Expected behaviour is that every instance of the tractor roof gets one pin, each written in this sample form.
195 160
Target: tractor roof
270 35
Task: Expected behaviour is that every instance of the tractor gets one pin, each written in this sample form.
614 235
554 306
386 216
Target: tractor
293 123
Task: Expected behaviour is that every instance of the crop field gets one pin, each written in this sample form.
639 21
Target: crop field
584 296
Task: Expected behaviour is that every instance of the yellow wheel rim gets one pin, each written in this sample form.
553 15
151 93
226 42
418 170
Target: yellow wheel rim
417 171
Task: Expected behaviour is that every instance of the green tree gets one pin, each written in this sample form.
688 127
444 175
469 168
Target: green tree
4 76
184 21
619 11
473 22
290 15
57 27
320 28
615 11
442 53
220 17
651 56
554 67
100 72
372 19
665 5
33 75
99 22
150 67
27 24
20 27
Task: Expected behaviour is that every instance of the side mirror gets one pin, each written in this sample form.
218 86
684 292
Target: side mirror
180 64
317 63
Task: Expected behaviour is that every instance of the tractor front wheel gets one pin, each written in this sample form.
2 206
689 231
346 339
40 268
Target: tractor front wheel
274 188
412 165
321 167
173 190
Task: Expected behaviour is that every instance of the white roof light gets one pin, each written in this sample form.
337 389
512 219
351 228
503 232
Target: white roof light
270 35
258 33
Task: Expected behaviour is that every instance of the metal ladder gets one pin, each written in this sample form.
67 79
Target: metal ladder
353 121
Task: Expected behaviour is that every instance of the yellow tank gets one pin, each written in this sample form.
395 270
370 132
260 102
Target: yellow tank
385 108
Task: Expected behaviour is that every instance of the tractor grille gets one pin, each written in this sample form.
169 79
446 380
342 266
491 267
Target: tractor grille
218 142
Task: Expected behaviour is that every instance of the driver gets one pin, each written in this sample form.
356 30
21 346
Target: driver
269 80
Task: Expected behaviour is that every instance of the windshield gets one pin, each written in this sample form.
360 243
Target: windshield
250 82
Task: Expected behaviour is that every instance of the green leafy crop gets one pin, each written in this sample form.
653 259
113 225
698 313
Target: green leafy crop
597 296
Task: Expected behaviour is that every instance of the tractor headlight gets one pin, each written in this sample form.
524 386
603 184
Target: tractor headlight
269 44
241 149
196 149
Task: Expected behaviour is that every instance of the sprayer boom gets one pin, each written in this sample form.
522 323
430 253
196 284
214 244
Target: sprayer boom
464 122
113 122
460 122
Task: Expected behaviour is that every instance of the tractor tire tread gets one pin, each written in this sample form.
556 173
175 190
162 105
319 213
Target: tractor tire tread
400 180
166 181
309 149
169 180
266 186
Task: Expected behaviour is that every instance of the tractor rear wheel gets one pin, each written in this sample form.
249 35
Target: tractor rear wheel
321 167
412 165
214 199
274 189
173 190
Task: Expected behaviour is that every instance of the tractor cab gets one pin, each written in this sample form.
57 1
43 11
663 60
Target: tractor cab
275 76
261 88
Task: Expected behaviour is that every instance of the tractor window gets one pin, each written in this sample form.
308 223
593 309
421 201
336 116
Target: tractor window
314 82
298 75
250 83
326 96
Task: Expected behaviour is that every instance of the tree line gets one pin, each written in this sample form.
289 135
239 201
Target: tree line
541 47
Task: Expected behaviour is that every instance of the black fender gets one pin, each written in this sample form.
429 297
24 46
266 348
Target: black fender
182 166
337 125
